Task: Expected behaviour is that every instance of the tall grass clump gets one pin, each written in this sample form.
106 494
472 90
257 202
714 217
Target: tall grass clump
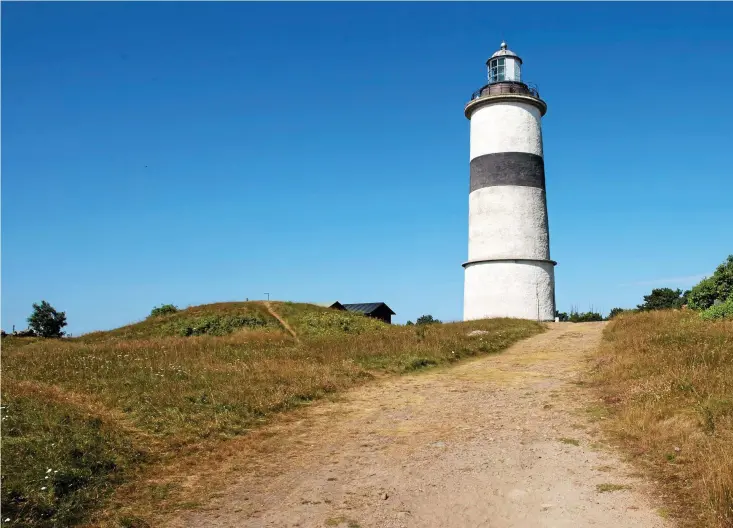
668 378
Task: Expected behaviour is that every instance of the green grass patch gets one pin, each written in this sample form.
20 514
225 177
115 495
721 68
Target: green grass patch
58 464
607 487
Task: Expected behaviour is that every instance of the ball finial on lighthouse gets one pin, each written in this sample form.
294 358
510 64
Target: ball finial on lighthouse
509 272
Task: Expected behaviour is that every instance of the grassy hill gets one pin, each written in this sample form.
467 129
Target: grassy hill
98 427
667 379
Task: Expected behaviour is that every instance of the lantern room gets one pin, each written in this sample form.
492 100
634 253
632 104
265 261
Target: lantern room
504 65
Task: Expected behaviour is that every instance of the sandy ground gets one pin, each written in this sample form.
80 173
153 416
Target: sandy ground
490 442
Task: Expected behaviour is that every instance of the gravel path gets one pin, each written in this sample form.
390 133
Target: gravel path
501 441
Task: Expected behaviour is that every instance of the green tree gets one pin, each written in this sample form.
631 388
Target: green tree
615 311
562 316
409 323
662 299
45 321
426 319
718 287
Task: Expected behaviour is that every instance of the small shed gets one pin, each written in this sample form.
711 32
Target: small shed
378 310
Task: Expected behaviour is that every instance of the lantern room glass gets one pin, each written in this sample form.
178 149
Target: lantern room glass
497 70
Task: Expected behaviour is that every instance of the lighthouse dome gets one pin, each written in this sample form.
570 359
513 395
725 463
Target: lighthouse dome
505 52
504 65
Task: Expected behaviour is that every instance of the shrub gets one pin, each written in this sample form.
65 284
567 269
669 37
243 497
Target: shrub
45 321
337 322
216 325
562 316
710 289
663 299
409 323
584 317
164 309
722 310
426 319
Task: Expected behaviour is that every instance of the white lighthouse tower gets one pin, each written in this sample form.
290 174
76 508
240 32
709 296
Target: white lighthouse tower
509 272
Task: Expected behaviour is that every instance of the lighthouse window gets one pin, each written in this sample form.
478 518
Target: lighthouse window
497 70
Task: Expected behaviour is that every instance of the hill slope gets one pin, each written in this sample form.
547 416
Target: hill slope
106 411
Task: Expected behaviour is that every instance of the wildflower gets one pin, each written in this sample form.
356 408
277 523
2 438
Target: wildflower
7 519
48 470
43 488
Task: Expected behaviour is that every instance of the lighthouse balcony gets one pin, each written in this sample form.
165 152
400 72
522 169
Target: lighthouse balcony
505 91
506 87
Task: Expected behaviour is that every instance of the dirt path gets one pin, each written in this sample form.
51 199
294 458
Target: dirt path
282 321
487 443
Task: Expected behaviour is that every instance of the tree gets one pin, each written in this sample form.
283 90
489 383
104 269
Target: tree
562 316
615 311
45 321
663 299
426 319
409 323
718 287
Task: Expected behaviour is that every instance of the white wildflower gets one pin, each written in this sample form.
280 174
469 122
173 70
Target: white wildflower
7 519
48 470
43 488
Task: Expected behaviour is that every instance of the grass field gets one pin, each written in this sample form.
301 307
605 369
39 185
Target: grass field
667 378
89 424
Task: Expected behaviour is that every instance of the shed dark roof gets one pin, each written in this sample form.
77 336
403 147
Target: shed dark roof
366 308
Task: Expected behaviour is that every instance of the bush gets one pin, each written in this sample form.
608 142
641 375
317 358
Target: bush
164 309
663 299
409 323
426 319
216 325
562 316
710 289
722 310
45 321
334 322
584 317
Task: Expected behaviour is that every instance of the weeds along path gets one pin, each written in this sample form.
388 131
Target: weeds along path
507 440
282 321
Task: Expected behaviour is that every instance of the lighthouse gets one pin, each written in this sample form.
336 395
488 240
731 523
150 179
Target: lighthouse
509 272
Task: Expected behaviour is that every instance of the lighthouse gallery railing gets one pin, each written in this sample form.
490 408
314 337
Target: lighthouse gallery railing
506 87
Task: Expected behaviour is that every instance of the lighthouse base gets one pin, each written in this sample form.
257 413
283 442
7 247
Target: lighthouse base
523 289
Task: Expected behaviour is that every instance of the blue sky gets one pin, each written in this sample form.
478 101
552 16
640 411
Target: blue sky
201 152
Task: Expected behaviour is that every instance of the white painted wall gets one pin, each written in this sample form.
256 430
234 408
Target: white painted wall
506 127
513 69
509 289
507 221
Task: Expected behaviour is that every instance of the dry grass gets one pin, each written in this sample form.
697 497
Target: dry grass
144 402
667 380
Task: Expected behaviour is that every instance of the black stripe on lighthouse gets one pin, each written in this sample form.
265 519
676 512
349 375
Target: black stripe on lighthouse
507 168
